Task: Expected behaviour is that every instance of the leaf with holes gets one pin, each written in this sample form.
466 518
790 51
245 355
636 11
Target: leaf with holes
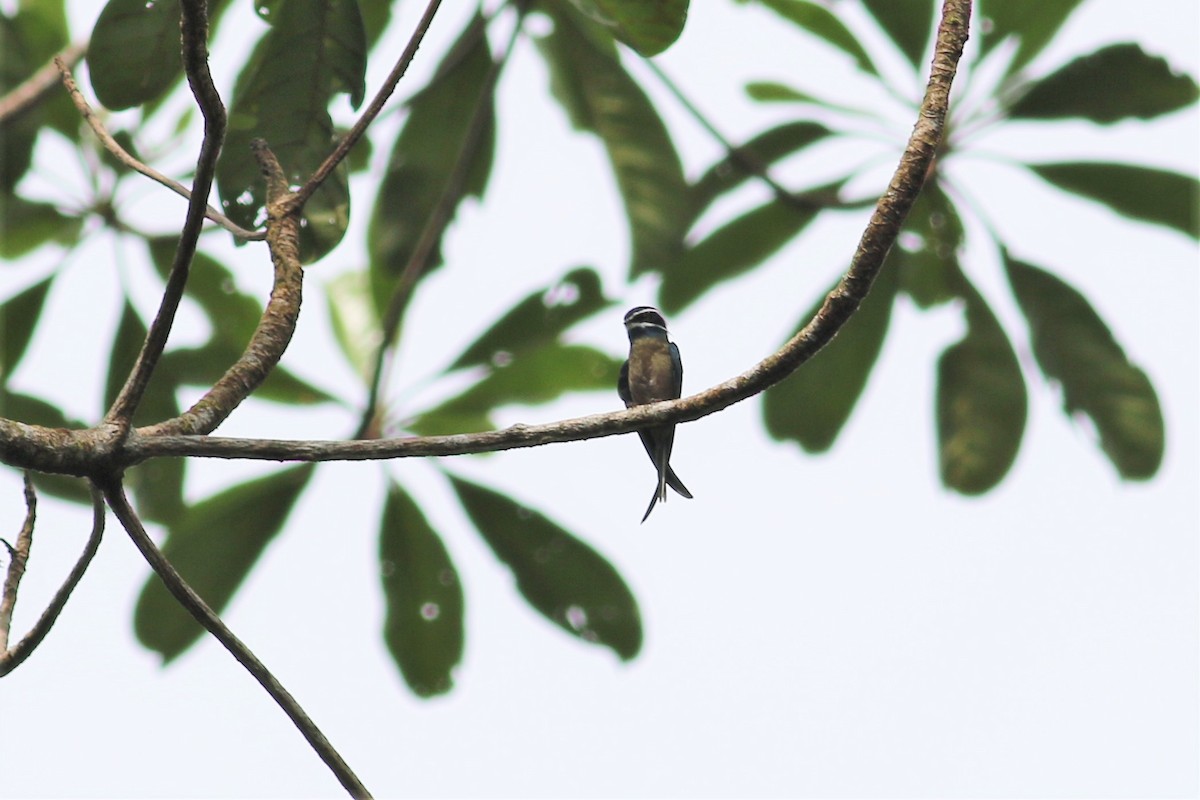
564 579
423 629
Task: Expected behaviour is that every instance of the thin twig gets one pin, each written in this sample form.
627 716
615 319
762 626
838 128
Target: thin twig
39 84
114 493
18 558
435 227
377 103
126 158
194 30
13 658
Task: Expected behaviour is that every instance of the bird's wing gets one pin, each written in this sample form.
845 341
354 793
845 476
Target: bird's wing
676 370
623 385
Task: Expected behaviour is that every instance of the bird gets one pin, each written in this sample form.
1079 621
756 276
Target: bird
653 372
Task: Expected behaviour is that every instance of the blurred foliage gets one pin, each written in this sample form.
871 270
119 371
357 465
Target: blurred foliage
692 234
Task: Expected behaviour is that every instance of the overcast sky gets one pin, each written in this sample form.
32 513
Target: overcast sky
834 626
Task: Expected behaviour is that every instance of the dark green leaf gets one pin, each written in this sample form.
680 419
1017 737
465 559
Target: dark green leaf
823 23
17 133
1032 22
539 376
376 15
813 405
926 254
424 625
18 317
763 150
562 578
538 320
1154 195
284 100
27 226
1135 83
43 26
587 78
134 54
909 23
648 26
730 251
981 403
426 155
1074 347
214 545
233 315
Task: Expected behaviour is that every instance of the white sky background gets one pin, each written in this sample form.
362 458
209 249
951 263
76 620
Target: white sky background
834 626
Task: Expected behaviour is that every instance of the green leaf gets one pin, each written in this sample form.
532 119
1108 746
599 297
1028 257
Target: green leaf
926 254
427 154
284 100
909 23
424 625
730 251
356 325
134 53
233 314
17 133
214 545
824 24
1154 195
1033 22
812 406
587 78
981 403
648 26
1135 83
43 26
537 320
564 579
765 149
27 226
19 317
536 377
1074 347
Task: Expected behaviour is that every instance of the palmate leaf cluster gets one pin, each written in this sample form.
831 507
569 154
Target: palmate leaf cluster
443 155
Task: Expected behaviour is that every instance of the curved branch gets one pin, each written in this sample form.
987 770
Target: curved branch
275 327
122 155
194 31
195 605
18 558
14 657
839 305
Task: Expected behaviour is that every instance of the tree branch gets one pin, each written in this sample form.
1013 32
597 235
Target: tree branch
39 84
122 155
73 452
348 141
12 658
18 558
195 605
275 327
194 30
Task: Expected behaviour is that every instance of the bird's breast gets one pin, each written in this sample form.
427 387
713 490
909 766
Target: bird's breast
650 372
